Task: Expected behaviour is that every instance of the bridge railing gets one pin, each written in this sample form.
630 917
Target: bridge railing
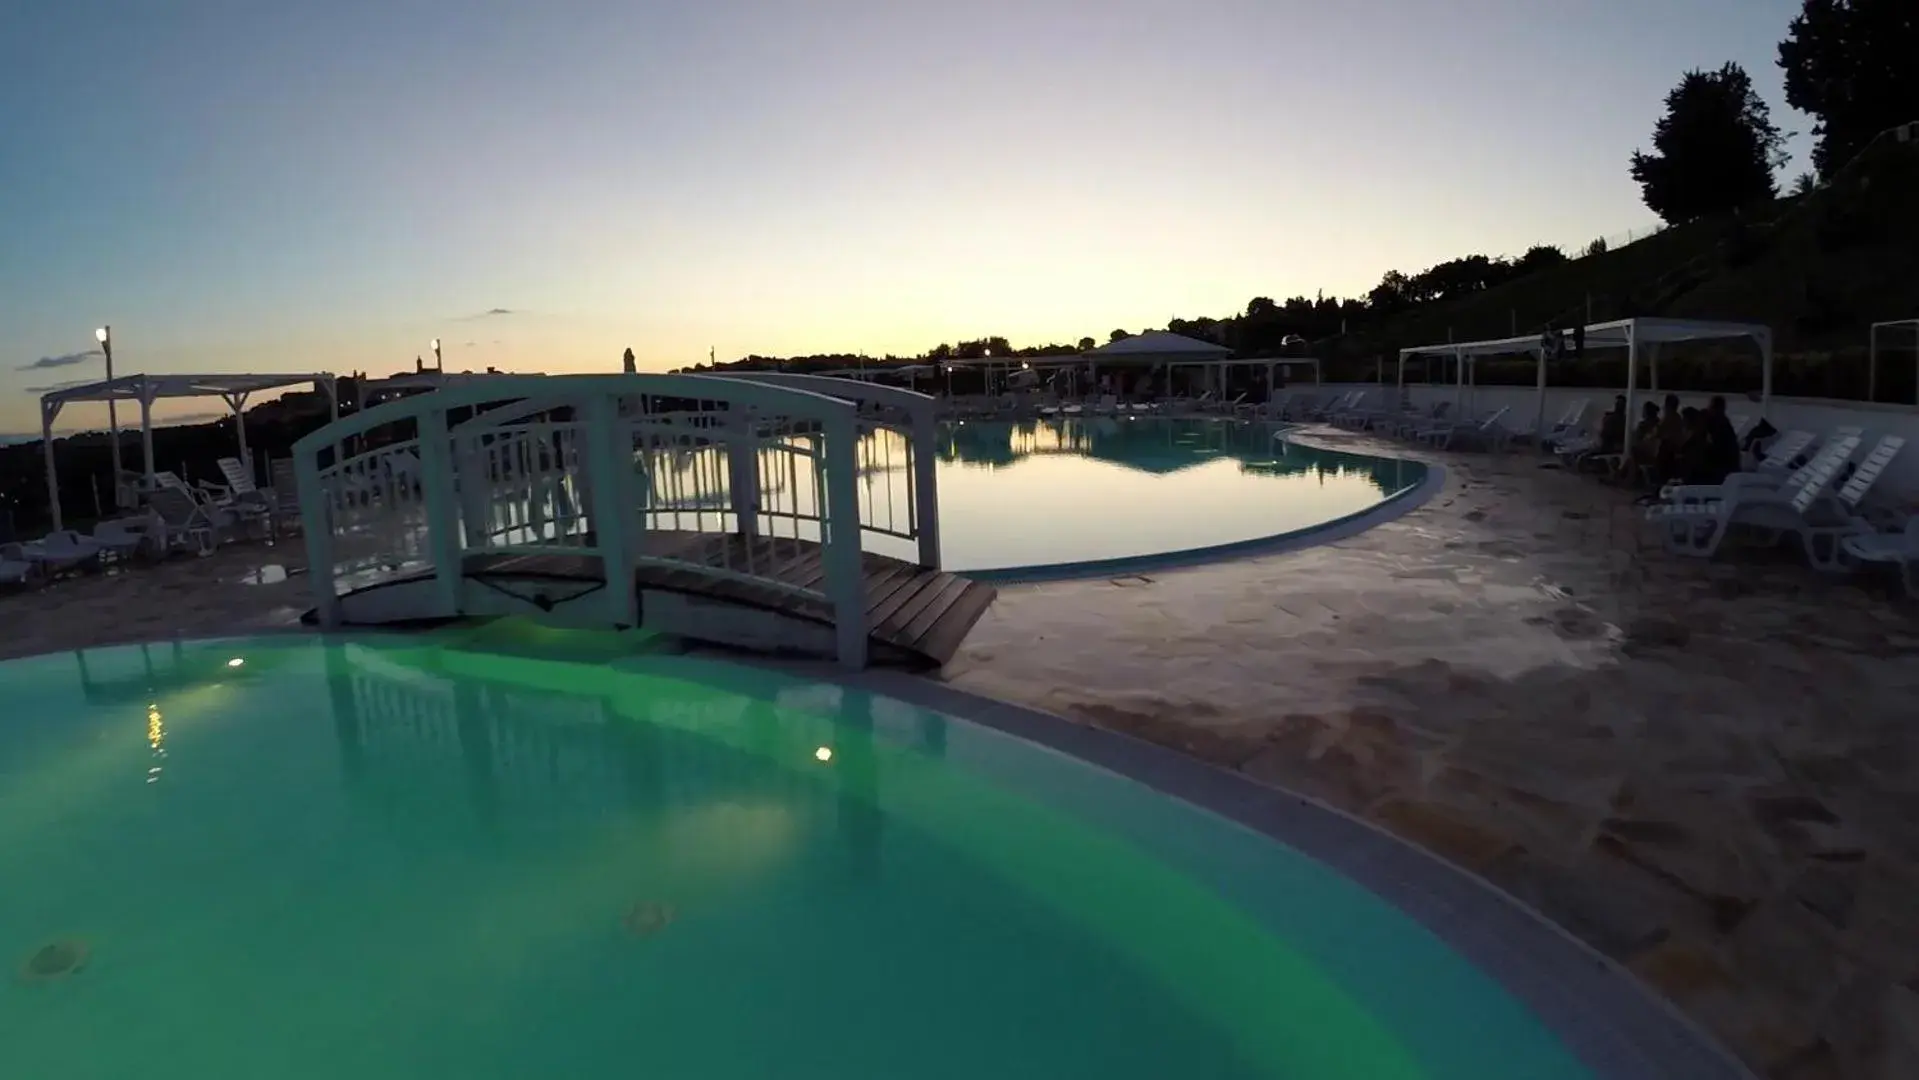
721 478
899 489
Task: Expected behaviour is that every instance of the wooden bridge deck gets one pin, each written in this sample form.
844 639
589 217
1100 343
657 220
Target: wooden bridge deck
924 614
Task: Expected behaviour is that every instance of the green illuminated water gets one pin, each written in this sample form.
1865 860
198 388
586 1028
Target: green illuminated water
523 853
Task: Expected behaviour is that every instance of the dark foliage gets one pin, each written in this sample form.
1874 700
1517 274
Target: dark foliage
1853 64
1714 152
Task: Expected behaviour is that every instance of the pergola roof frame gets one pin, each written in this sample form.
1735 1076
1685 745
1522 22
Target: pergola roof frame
1628 334
144 390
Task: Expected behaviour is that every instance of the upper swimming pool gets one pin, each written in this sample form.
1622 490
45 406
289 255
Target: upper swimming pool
1102 493
552 856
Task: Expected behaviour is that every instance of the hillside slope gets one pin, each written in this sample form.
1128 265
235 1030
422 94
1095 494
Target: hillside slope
1818 269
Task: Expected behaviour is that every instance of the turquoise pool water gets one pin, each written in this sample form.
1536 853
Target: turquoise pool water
1075 491
509 852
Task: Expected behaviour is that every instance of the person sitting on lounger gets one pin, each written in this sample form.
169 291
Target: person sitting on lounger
1645 443
1612 428
1672 436
1693 460
1722 444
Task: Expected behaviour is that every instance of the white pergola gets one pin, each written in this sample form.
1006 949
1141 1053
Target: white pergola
144 390
1158 347
1632 335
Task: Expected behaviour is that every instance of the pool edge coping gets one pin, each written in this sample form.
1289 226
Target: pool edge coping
1478 920
1395 505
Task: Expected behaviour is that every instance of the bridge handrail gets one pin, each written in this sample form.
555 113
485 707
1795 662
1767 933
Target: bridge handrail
792 401
909 401
923 412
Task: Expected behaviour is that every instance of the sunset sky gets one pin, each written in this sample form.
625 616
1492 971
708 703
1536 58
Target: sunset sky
244 186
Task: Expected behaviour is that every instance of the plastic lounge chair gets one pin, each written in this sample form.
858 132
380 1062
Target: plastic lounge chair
127 537
1697 528
15 567
1567 426
1823 525
61 552
1352 413
283 498
1409 423
1338 407
1441 435
1774 471
186 525
1899 548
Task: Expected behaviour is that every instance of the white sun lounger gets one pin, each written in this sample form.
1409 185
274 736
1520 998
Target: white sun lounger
186 524
60 552
15 567
1899 548
127 537
1442 434
1567 426
1801 508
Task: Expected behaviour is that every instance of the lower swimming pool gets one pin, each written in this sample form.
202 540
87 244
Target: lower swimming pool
510 852
1102 492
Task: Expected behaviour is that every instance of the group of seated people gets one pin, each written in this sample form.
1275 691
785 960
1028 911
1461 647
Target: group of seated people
1688 445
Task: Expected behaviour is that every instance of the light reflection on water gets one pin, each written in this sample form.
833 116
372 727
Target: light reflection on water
1048 492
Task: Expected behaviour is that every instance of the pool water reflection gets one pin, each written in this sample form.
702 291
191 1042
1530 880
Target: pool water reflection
509 851
1055 493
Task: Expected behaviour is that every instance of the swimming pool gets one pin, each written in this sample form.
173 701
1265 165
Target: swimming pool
1100 493
513 852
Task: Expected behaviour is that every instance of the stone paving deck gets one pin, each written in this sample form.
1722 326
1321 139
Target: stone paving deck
1707 771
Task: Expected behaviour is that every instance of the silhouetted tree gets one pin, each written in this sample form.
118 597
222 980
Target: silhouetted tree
1117 335
1597 247
1805 184
1455 278
1537 258
1395 292
1853 64
1715 150
1087 344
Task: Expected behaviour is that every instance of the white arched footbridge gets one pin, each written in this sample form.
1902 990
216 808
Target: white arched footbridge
720 508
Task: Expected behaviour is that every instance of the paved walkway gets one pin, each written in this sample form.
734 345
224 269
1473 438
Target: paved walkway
1709 771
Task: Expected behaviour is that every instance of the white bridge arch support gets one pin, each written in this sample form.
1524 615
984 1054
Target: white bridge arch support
731 509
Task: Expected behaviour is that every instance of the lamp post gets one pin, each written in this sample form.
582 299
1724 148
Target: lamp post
437 365
104 336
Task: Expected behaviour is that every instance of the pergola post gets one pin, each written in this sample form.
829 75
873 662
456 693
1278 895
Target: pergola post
1765 371
1632 369
1539 422
238 403
48 411
146 432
